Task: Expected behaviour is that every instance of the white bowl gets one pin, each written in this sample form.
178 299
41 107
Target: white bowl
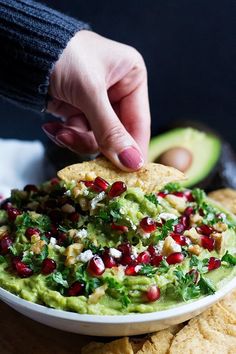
123 325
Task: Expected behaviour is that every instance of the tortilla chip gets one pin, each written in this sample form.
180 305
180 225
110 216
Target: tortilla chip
118 346
214 331
229 303
152 177
226 197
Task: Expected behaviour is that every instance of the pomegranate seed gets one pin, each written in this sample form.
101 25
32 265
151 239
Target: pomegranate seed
96 266
76 289
23 270
30 231
179 228
156 260
213 263
131 270
179 194
6 205
48 266
30 188
207 242
108 260
120 228
188 211
174 258
126 259
204 230
125 248
201 212
62 239
13 213
188 195
100 185
184 220
180 239
54 181
74 217
88 184
153 293
195 275
14 260
162 194
117 189
144 257
55 216
148 224
5 243
152 250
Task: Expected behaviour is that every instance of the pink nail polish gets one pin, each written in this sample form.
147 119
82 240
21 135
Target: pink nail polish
131 158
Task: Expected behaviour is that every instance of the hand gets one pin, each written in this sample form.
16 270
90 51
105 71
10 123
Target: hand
99 89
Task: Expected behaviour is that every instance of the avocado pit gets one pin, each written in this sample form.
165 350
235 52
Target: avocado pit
177 157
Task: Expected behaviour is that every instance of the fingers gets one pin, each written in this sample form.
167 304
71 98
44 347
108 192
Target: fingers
135 116
112 138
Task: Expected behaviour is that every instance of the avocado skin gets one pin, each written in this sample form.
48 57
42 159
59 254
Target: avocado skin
223 173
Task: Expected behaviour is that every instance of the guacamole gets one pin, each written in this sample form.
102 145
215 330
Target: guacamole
106 249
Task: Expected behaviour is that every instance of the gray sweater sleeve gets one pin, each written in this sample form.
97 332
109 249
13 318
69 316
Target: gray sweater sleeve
32 37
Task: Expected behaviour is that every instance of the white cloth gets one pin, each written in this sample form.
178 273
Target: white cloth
21 163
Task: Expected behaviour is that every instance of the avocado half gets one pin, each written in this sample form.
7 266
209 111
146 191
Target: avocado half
194 152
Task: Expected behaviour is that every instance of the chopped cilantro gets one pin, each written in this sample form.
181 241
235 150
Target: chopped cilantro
148 270
13 250
152 198
104 215
2 259
58 278
200 265
229 258
199 196
166 228
35 260
206 286
119 289
63 229
172 187
185 287
163 267
91 283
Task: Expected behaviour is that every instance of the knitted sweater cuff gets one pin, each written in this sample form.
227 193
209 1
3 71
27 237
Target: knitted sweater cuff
32 37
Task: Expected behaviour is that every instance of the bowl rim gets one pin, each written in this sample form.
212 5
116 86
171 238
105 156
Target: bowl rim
162 315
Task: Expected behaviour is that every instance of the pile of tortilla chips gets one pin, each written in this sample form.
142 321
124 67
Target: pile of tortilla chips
213 331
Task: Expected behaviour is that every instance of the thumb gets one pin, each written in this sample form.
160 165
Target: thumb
112 138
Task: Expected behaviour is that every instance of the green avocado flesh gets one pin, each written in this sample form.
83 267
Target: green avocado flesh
205 149
167 248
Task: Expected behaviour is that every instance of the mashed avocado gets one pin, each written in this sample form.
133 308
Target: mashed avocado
95 248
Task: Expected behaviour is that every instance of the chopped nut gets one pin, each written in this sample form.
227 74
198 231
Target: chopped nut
217 236
97 294
84 203
220 226
194 236
195 219
178 203
35 238
37 246
194 249
90 176
3 230
170 246
72 252
68 208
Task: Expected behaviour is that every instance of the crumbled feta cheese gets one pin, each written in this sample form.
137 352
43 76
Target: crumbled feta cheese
115 253
68 193
82 233
134 252
57 247
85 192
53 241
143 233
168 216
137 268
97 199
159 246
85 256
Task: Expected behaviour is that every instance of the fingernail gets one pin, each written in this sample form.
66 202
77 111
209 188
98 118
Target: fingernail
51 129
131 158
64 139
